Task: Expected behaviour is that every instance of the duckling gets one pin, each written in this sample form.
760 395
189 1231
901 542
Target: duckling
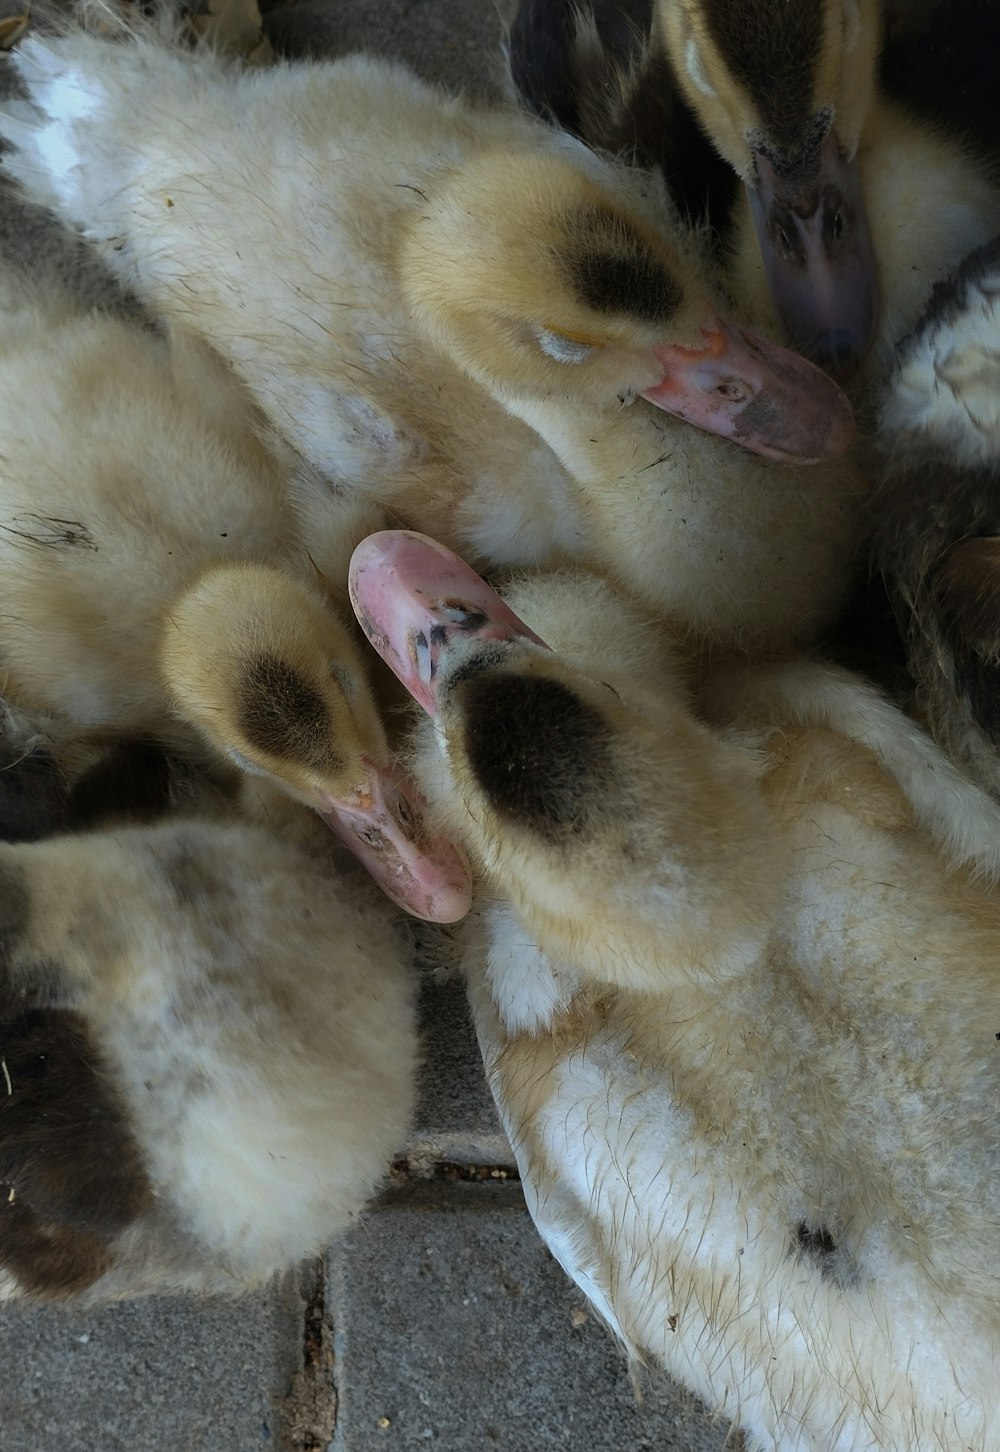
937 511
459 324
858 204
157 581
207 1036
737 1010
788 95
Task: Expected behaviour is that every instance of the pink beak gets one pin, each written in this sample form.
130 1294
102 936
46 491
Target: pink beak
419 604
819 258
417 601
383 823
762 396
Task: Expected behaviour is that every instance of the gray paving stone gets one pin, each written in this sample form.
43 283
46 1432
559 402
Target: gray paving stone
160 1375
456 42
456 1122
455 1330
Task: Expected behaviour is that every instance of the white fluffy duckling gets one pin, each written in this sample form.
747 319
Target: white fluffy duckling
738 1015
454 309
157 579
207 1030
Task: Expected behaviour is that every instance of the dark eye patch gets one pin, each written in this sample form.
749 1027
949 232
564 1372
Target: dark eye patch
613 269
772 48
540 754
282 714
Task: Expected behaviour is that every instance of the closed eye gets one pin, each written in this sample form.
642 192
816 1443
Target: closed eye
562 347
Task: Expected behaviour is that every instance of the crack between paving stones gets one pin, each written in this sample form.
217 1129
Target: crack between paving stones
310 1408
405 1169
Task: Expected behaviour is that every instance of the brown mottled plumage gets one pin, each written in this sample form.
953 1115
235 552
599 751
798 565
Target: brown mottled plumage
207 1039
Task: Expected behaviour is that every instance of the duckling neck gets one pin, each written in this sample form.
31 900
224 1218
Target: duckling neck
596 449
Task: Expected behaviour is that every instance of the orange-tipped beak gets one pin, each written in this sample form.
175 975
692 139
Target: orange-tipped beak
762 396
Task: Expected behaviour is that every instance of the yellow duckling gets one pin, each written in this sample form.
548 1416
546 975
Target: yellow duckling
156 580
737 1008
454 311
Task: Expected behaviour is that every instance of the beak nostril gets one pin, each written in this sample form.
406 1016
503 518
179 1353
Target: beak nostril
732 391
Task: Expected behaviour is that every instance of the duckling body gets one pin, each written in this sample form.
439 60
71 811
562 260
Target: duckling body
736 1009
208 1048
451 326
937 514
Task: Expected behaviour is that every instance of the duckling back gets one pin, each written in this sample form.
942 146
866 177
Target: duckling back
208 1049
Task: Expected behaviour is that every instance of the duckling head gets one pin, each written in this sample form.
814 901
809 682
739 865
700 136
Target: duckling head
783 88
612 820
548 289
272 679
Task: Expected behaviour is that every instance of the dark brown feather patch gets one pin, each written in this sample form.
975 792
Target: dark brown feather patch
613 269
540 754
32 798
284 715
772 49
130 783
967 594
71 1172
967 585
